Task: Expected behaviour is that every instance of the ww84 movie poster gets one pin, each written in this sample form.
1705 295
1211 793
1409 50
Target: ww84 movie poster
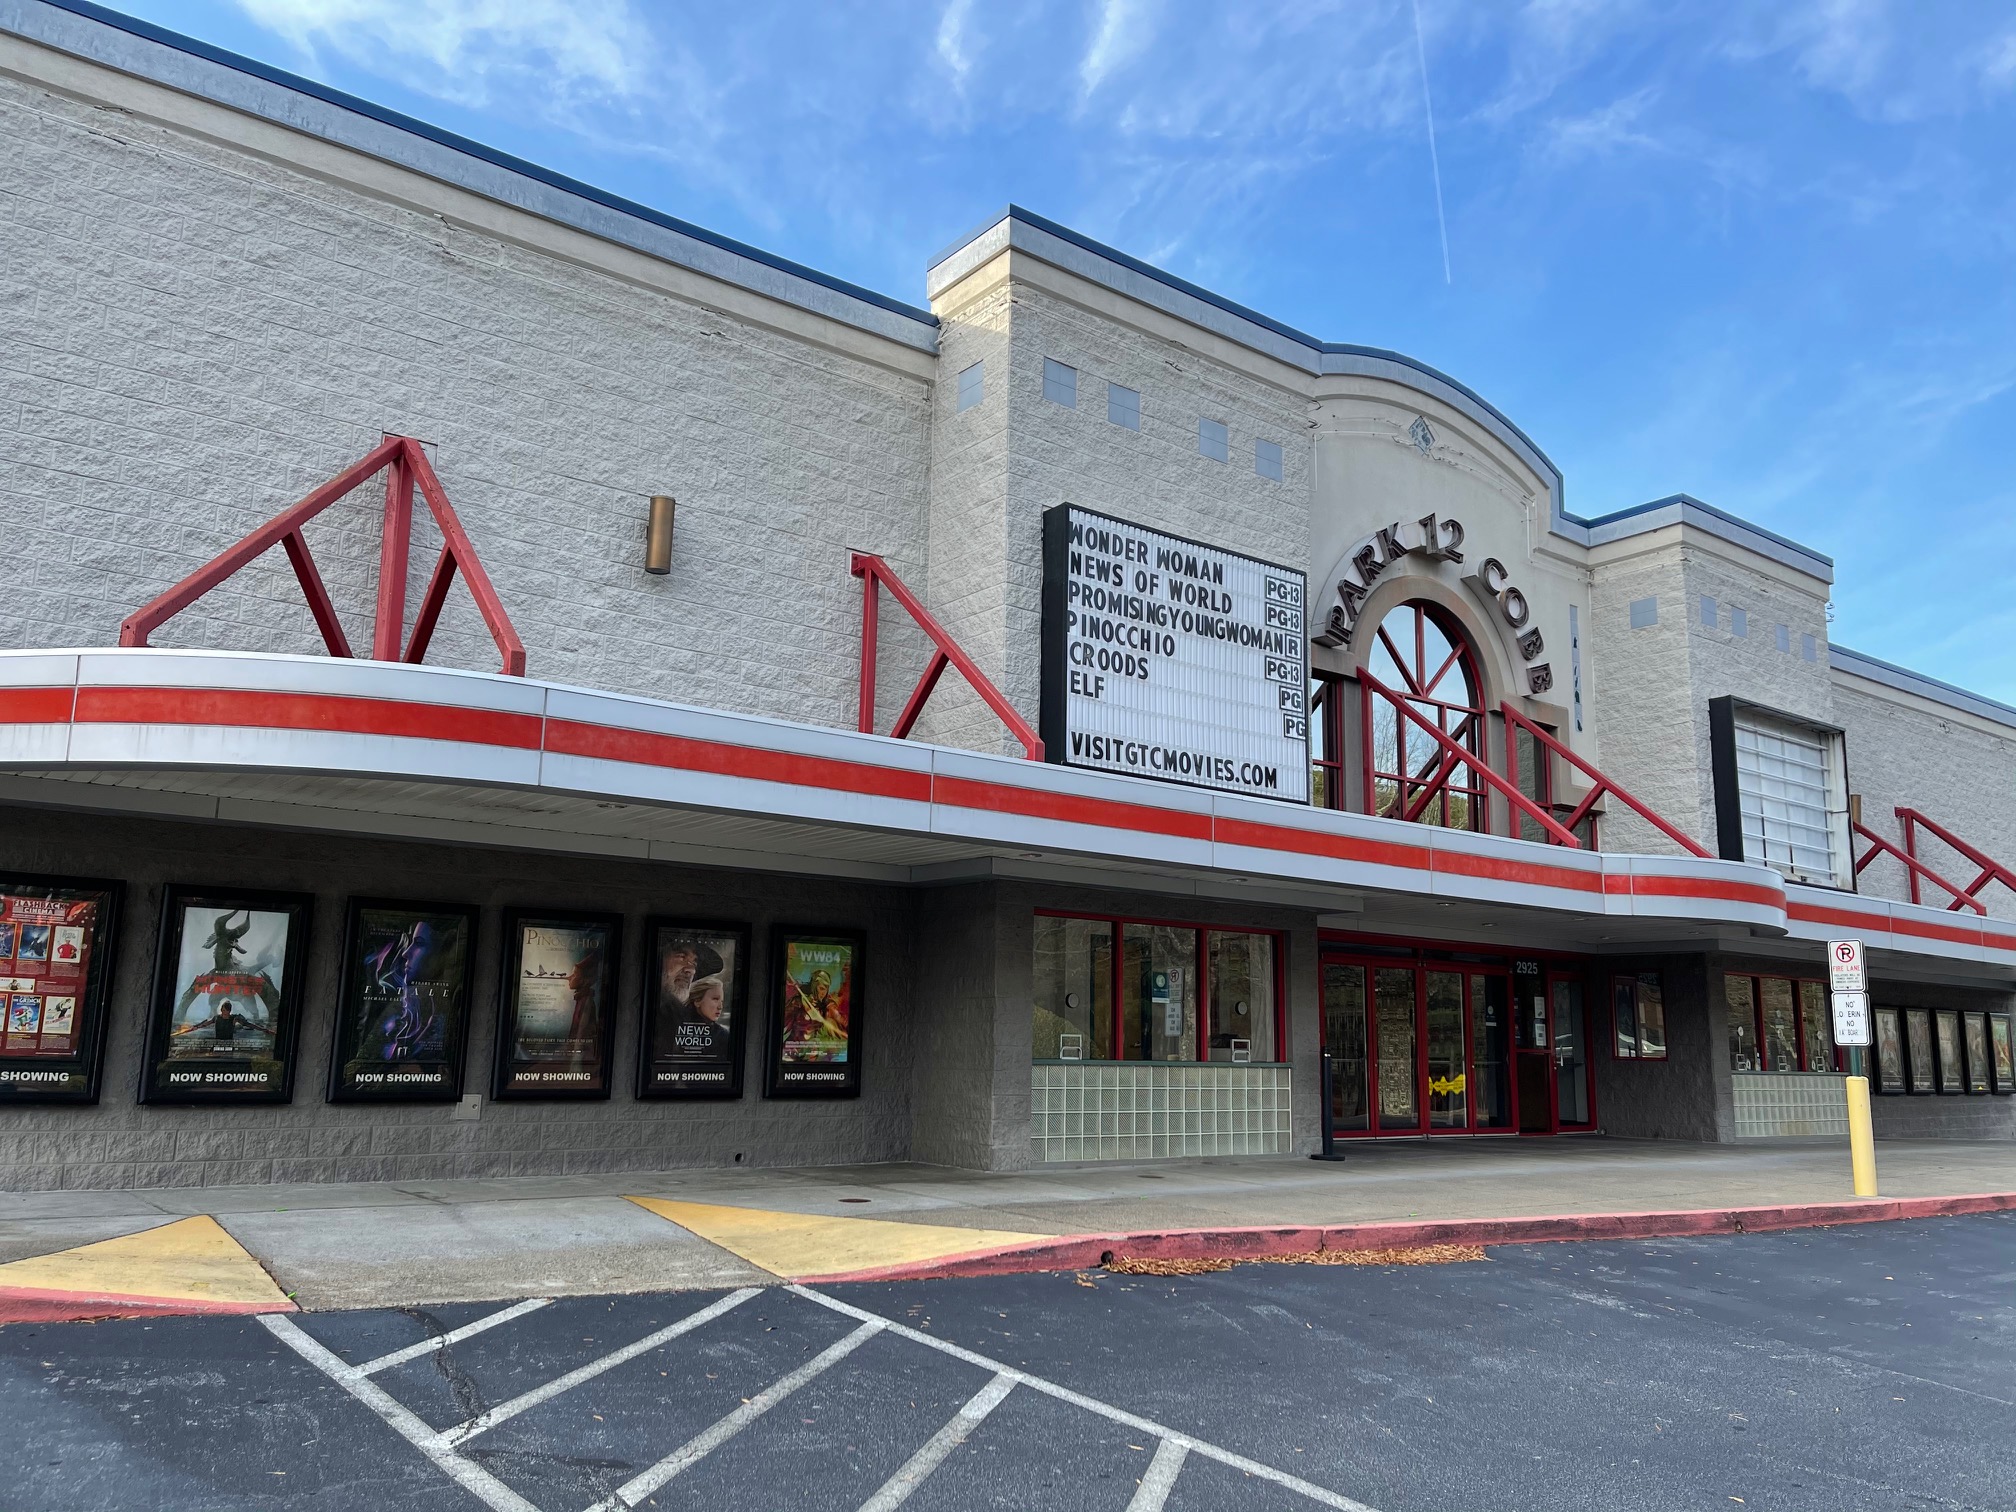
815 1014
227 997
402 1014
555 1027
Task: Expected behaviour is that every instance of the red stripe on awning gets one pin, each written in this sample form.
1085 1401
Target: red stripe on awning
567 737
35 705
1301 842
338 713
1069 808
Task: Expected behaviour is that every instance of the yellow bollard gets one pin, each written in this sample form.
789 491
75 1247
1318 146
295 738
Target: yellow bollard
1861 1140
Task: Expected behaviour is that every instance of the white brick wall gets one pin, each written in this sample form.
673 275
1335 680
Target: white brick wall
191 337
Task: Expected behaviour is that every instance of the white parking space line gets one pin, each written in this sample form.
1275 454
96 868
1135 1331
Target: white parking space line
477 1481
1161 1477
453 1336
1321 1495
704 1443
917 1469
483 1422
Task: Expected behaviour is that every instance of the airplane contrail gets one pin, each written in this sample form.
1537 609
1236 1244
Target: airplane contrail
1434 160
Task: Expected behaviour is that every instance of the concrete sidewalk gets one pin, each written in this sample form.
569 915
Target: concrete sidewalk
425 1242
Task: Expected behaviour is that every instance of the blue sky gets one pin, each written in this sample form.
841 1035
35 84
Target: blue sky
1760 253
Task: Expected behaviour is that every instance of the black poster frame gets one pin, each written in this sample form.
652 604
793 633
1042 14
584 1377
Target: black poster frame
693 1081
1976 1078
511 957
2002 1084
23 1078
1882 1083
161 1004
345 1035
1912 1070
1950 1067
795 1081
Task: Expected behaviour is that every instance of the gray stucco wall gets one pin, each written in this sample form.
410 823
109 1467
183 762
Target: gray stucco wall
120 1144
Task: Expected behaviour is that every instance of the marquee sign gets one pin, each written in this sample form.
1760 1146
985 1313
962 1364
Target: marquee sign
1164 657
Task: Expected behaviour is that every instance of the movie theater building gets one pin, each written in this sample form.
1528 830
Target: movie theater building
498 680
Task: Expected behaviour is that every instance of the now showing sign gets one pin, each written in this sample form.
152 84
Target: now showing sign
1168 658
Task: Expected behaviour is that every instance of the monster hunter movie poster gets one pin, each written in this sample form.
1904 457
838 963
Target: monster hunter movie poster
227 997
402 1015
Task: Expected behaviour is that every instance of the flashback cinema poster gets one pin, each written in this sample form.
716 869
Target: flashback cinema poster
53 956
695 1004
403 1009
816 1015
226 997
553 1036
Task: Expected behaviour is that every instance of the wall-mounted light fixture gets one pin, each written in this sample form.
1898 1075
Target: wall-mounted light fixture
658 535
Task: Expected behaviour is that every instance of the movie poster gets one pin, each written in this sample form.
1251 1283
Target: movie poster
1889 1026
558 1015
2001 1052
1946 1029
1918 1049
815 1015
695 999
1974 1038
55 976
402 1011
227 995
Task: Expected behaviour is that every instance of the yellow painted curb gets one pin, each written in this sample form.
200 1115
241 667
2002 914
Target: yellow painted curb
189 1260
800 1245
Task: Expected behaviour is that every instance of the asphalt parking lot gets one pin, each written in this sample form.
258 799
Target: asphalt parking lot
1847 1368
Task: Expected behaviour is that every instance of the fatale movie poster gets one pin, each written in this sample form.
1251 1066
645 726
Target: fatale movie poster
696 988
402 1012
55 969
815 1014
555 1028
227 997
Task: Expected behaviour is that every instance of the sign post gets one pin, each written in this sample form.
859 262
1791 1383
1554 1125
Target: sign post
1848 983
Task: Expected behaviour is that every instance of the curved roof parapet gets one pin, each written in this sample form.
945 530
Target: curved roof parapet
1060 245
225 78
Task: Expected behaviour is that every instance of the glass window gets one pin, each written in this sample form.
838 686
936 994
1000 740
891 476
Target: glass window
1816 1026
1214 440
1571 1076
1739 623
1242 997
1448 1081
1741 993
1074 989
1790 790
1707 612
1393 1009
1344 1035
1158 985
1651 1017
1490 1023
1267 459
972 385
1060 383
1624 1017
1781 1027
1420 655
1123 406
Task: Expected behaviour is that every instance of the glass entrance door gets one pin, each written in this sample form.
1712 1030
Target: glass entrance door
1418 1048
1573 1107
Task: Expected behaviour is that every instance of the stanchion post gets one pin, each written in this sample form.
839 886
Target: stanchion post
1861 1138
1329 1150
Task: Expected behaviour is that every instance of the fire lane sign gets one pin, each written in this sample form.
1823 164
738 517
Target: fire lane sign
1844 967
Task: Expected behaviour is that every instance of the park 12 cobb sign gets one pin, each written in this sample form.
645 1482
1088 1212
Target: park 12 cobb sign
1168 658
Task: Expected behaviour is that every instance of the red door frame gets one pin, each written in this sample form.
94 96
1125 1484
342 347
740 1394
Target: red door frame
1421 959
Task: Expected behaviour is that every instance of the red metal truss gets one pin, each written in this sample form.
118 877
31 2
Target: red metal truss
1991 869
1601 784
1454 756
875 574
404 463
1913 867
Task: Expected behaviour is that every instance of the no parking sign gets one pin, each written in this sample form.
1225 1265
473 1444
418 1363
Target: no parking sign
1848 983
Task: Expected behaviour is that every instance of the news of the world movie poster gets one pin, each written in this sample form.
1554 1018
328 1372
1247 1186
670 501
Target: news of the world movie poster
817 1026
694 1010
559 1000
224 1012
403 1014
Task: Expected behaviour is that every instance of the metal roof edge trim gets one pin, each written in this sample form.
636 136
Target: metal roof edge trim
1876 670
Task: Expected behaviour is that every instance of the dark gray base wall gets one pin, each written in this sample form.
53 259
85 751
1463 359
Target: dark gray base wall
120 1144
1686 1095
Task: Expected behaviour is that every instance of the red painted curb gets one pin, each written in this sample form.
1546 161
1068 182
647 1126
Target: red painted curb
1087 1251
34 1304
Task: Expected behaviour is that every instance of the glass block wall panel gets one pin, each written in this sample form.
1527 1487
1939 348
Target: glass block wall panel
1119 1111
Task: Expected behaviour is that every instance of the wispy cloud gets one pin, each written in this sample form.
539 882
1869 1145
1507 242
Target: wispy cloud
954 46
1125 30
